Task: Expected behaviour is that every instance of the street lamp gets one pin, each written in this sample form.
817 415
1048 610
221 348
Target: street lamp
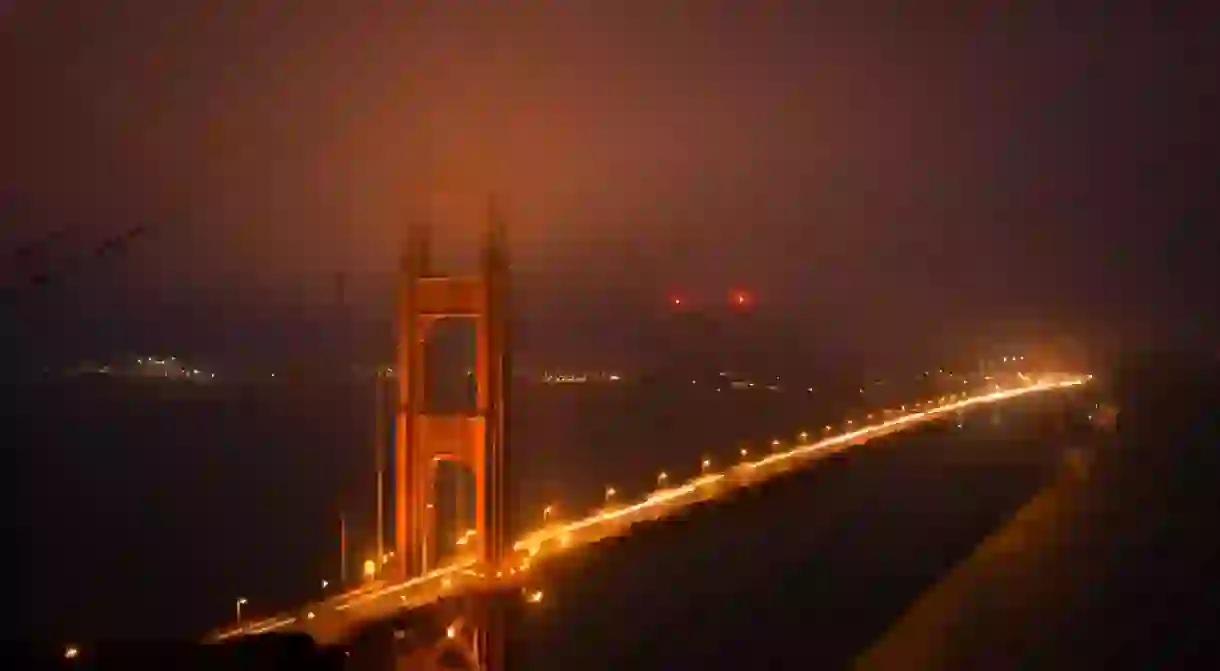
610 492
662 478
744 453
240 602
804 436
546 514
706 464
325 583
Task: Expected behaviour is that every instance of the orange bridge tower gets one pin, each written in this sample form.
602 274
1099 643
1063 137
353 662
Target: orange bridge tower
474 440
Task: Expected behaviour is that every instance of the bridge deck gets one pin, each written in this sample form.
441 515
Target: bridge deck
331 619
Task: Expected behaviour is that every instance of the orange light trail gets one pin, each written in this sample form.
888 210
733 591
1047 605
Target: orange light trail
658 503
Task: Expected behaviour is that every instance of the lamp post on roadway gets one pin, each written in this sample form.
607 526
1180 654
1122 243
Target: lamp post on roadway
546 513
704 465
342 549
240 602
662 478
379 454
610 492
423 541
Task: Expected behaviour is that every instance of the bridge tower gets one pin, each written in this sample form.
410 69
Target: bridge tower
475 441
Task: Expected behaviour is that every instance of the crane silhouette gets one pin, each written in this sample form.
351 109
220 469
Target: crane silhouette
54 258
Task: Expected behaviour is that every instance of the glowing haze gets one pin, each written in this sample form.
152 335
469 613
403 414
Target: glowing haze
860 175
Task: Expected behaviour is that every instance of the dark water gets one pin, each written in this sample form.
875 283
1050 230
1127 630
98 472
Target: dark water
805 571
146 510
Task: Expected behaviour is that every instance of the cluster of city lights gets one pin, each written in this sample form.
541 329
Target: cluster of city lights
170 367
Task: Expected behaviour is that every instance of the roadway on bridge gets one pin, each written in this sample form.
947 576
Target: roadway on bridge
329 619
802 572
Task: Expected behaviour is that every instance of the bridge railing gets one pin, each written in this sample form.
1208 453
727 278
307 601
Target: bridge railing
618 517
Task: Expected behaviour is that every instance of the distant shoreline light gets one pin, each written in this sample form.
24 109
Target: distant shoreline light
580 378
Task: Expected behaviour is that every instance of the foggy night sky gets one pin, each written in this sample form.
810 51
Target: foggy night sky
884 179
